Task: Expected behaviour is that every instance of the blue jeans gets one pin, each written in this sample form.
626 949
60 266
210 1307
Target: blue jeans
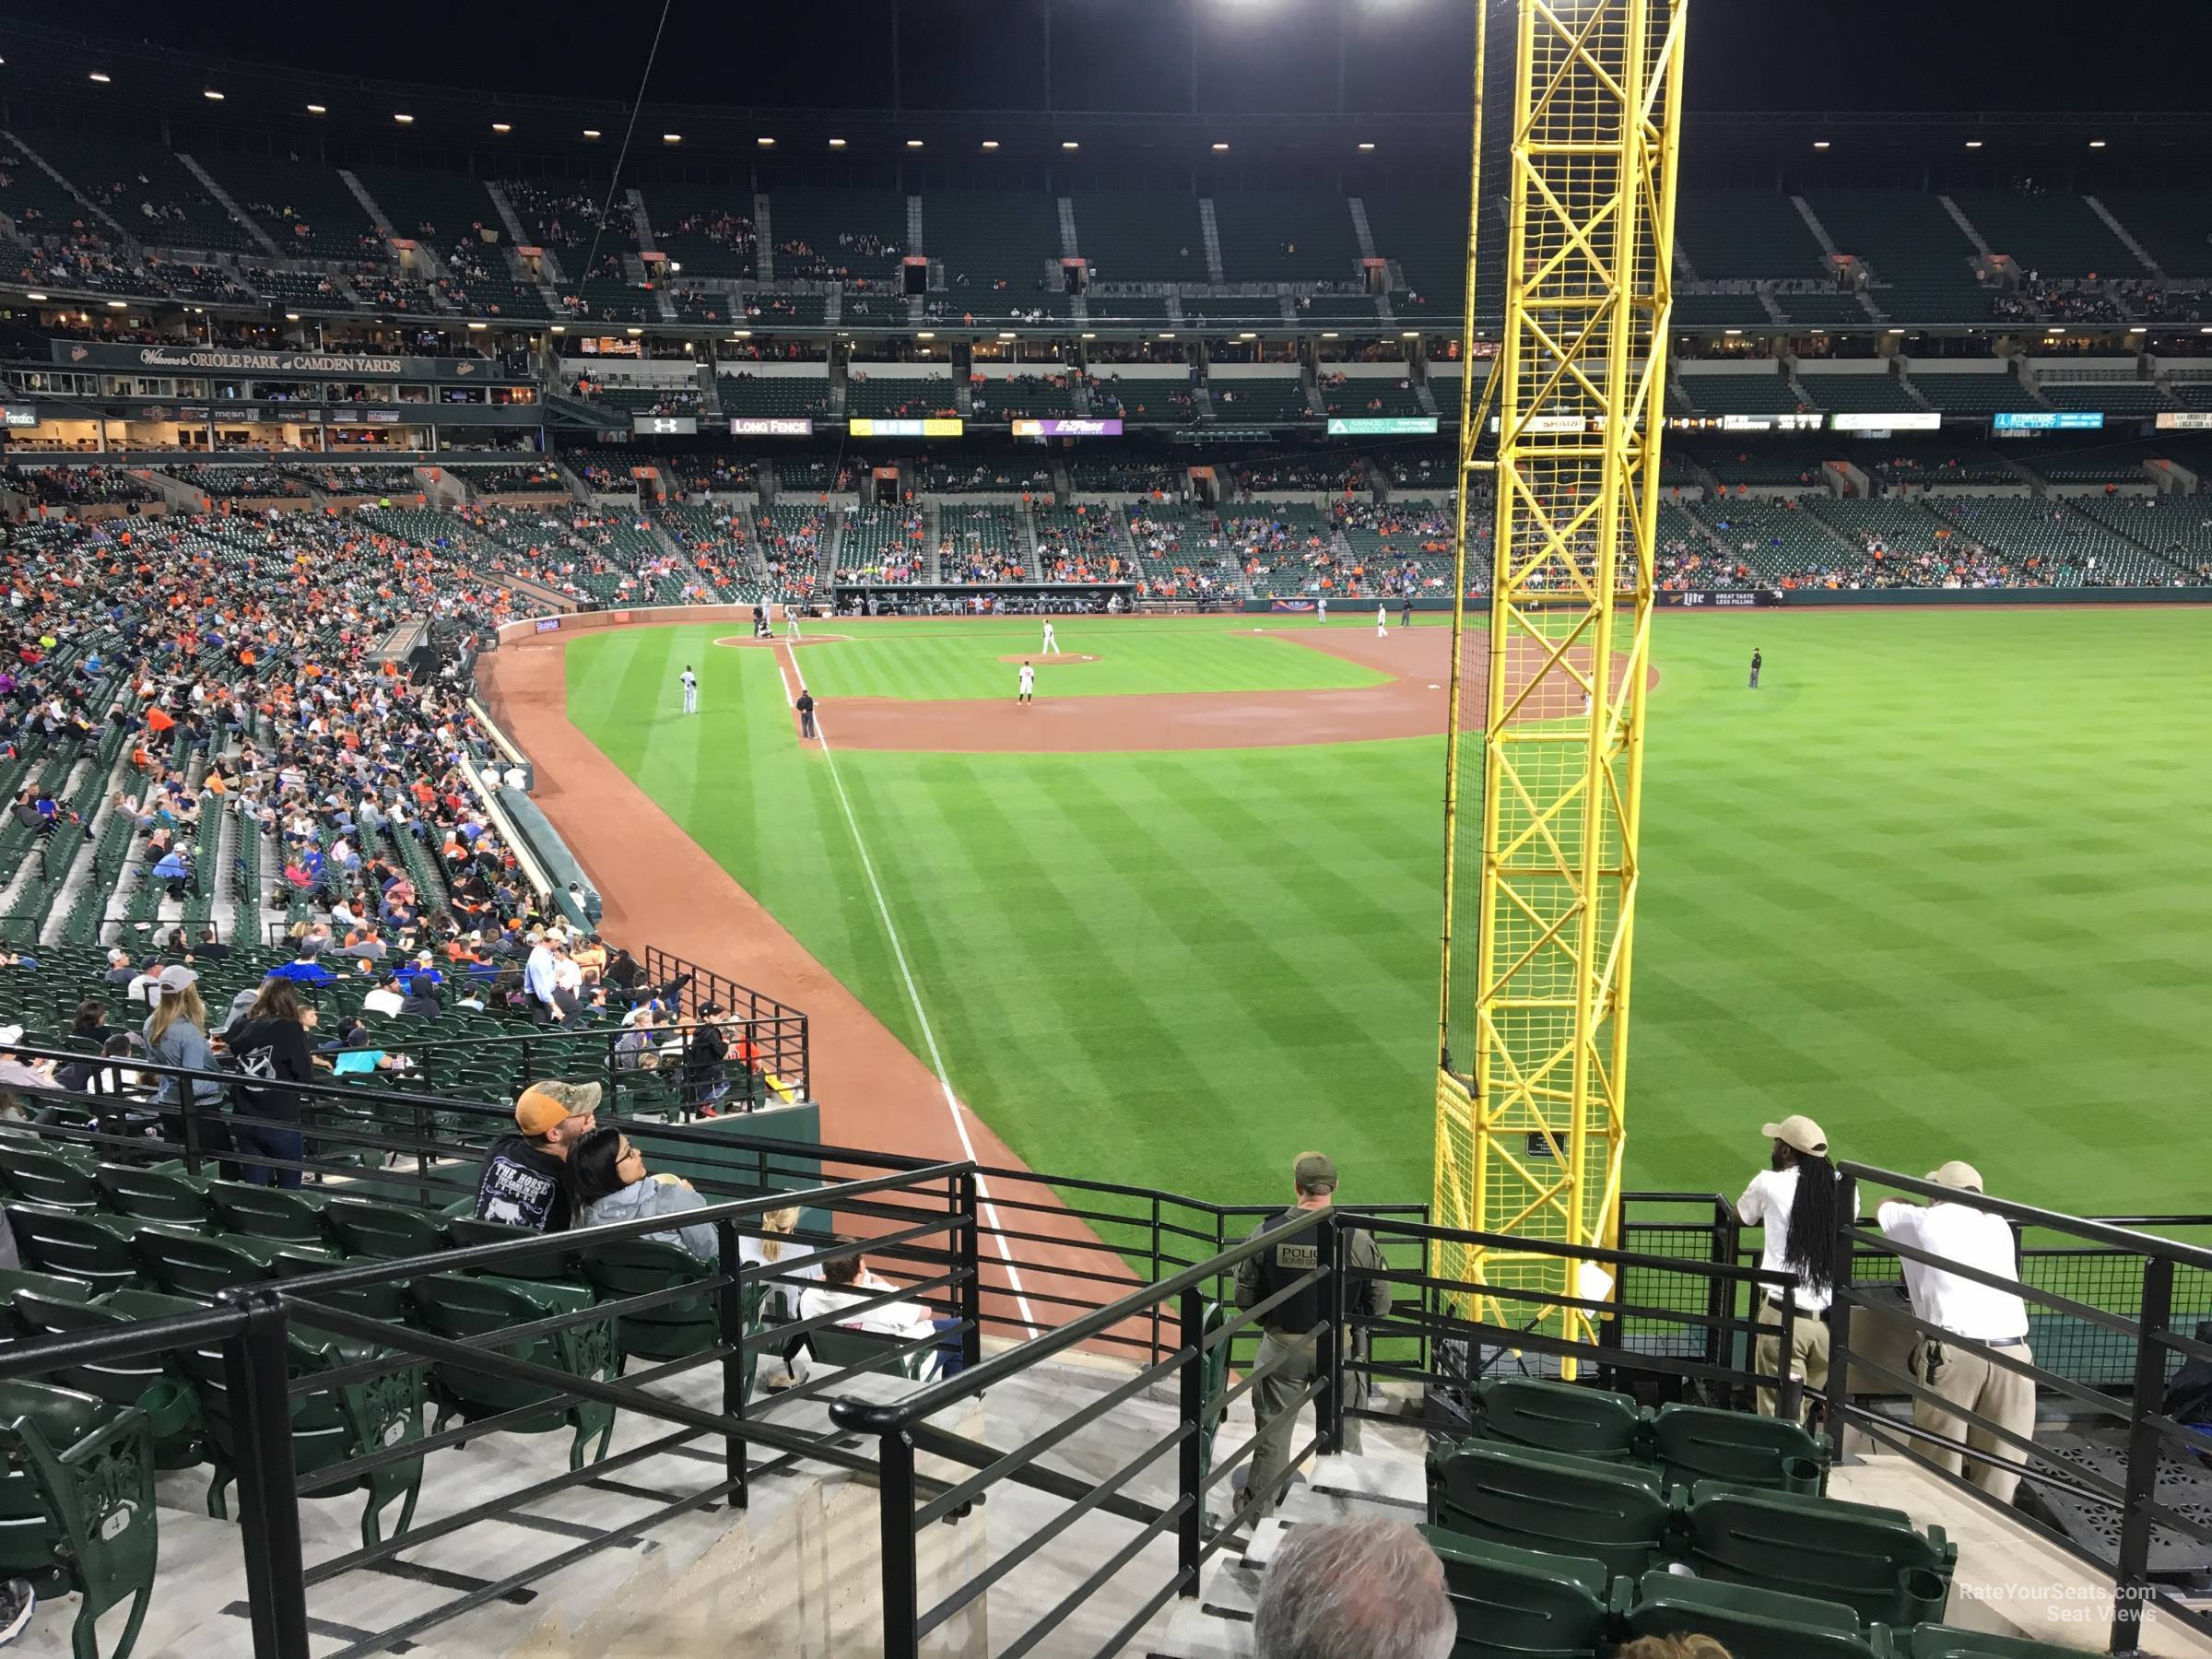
950 1354
256 1141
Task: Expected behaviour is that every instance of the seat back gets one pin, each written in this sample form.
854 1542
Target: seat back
1551 1502
390 1232
1868 1558
200 1265
1557 1416
266 1212
1702 1442
1750 1623
459 1308
554 1267
93 1249
37 1176
1524 1602
841 1347
637 1266
153 1195
1940 1641
52 1285
148 1380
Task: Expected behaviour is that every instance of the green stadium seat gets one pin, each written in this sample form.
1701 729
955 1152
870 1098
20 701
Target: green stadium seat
93 1249
1751 1624
201 1266
1551 1501
388 1230
673 1330
330 1426
77 1505
52 1285
554 1267
1525 1604
39 1175
1701 1442
458 1308
154 1194
1557 1416
1868 1558
267 1212
146 1381
842 1349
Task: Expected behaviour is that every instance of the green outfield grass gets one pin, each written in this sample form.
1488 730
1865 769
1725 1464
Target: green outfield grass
960 657
1939 884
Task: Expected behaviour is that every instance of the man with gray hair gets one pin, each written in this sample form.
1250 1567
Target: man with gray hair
1368 1589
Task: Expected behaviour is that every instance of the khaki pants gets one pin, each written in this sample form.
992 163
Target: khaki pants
2004 1397
1808 1353
1271 1404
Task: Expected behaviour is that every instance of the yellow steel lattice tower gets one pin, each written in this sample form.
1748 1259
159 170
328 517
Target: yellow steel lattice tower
1542 801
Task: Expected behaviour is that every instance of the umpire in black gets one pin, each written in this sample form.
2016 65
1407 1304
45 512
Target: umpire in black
1289 1336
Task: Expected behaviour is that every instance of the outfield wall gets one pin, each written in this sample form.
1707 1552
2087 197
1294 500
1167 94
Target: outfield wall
1764 598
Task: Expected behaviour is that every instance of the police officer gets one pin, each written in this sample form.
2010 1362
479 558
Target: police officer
1289 1339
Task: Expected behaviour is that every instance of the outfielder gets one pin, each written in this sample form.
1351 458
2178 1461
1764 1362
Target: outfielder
691 689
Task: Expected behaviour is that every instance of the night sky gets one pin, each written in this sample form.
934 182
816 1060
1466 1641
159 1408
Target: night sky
1258 54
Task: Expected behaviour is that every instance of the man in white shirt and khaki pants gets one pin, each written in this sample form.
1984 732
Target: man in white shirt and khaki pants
1961 1307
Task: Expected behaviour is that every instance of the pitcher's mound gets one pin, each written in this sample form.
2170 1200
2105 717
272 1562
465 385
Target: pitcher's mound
1050 661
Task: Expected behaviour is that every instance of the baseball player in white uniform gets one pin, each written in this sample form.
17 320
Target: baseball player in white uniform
1028 683
1321 607
790 621
1381 628
1051 643
690 690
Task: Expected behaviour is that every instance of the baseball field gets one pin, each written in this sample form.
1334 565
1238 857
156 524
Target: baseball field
1938 883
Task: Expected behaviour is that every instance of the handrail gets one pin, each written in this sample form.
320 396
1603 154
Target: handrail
878 1418
2028 1215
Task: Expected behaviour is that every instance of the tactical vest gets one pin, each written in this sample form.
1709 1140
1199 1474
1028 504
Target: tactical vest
1285 1263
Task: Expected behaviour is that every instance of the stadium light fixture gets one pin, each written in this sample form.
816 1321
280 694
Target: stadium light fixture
1007 336
101 76
1896 331
1169 335
1069 144
743 334
1220 147
837 144
591 132
990 144
633 333
925 335
1973 144
291 316
1410 334
211 95
672 138
502 126
2205 330
2096 143
479 326
1819 144
2138 331
913 144
34 296
1328 333
560 328
1248 335
765 143
1367 146
405 120
1734 332
317 110
119 304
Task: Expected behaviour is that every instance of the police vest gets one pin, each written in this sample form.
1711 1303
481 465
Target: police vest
1284 1264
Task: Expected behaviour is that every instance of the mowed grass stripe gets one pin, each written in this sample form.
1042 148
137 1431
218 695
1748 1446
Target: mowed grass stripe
1935 885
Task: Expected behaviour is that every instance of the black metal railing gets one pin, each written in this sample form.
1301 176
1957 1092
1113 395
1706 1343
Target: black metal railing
1957 1439
776 1030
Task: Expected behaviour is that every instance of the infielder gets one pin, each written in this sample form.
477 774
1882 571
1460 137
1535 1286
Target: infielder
1321 608
1381 621
790 621
691 689
1029 684
1051 643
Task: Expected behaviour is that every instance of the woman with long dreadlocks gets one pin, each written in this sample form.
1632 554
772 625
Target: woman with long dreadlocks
1794 1202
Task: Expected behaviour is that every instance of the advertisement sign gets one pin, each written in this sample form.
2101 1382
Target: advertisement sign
2049 420
289 365
1353 426
2185 420
20 417
771 426
663 426
1744 600
935 425
1909 420
1068 428
1802 422
549 625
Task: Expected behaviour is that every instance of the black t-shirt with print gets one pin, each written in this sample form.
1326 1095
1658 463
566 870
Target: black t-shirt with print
523 1185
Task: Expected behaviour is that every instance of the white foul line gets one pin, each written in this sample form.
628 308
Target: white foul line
929 1036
